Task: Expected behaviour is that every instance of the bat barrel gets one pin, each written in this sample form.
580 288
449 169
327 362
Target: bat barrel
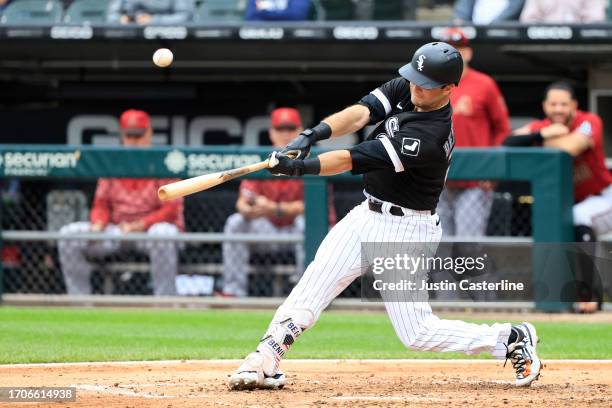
196 184
163 194
188 186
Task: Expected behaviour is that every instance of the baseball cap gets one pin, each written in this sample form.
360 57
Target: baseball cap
454 36
285 117
134 122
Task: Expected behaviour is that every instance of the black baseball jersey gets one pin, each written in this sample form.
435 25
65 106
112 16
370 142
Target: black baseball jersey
405 160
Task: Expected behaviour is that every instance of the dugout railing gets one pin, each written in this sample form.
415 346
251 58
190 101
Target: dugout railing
548 171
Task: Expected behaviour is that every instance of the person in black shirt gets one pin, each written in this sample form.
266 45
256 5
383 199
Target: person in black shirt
404 161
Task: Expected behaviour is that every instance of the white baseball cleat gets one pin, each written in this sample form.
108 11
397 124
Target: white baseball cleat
522 354
250 376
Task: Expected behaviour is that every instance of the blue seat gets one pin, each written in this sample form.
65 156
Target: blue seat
87 12
32 12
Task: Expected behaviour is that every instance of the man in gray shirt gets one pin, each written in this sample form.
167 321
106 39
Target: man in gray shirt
146 12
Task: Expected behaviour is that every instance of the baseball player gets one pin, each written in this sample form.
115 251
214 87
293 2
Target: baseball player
404 162
579 133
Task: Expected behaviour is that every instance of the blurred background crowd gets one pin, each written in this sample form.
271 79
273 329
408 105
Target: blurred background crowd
145 12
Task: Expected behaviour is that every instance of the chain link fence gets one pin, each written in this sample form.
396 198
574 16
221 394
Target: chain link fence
42 251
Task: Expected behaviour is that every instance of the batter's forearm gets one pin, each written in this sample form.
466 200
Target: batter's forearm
335 162
348 120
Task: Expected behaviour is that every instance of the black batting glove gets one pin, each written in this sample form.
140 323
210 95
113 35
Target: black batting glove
282 165
285 165
299 148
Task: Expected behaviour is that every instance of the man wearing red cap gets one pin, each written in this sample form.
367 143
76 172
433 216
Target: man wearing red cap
266 207
121 206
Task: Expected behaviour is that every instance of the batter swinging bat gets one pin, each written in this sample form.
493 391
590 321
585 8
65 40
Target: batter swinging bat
206 181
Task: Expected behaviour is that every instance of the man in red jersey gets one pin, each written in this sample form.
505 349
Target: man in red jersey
579 133
266 207
121 206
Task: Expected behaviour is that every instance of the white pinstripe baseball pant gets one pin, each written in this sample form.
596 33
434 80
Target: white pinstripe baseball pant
338 262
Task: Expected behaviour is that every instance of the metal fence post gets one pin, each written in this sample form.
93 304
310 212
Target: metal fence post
316 218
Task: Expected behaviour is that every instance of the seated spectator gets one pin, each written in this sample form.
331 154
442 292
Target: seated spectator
277 10
146 12
266 207
121 206
482 12
564 11
580 134
3 5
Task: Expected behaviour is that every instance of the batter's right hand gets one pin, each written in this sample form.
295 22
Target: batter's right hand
300 146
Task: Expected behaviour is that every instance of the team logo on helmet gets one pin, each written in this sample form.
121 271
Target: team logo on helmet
420 62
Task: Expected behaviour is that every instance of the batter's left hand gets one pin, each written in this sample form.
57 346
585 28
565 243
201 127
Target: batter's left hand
286 166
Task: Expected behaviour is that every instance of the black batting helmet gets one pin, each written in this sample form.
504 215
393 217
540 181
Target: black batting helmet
434 65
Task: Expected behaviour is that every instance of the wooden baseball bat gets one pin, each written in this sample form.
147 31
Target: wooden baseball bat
200 183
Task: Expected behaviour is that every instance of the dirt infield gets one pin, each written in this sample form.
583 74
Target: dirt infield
342 383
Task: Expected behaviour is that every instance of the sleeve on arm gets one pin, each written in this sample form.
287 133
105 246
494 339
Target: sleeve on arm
533 139
497 113
592 128
249 188
511 12
382 99
463 10
100 211
168 212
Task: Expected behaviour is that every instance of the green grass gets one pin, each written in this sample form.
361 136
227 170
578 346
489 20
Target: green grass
62 335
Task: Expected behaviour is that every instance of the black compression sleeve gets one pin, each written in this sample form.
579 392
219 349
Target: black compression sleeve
320 132
524 140
308 166
312 166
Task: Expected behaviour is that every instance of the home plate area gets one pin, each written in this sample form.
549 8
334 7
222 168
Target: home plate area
342 383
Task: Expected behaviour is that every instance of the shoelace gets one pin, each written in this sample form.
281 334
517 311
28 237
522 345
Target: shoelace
516 357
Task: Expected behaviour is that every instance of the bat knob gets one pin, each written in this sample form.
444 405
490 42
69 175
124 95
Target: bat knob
273 161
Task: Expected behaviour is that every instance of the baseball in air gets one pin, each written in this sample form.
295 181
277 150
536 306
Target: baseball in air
163 57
